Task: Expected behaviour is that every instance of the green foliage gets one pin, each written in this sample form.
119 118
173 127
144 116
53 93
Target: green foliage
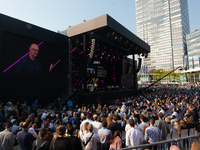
159 73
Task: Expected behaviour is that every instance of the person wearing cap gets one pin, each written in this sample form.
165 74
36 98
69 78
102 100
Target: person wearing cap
29 64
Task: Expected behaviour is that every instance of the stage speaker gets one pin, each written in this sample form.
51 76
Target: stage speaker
139 64
92 51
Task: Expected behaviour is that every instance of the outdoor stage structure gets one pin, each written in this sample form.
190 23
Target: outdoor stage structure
90 60
99 65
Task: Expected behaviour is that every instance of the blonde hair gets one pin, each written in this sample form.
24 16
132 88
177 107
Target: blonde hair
167 120
82 115
177 126
183 124
34 126
109 121
85 127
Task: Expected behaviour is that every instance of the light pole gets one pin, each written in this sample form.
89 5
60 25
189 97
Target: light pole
179 67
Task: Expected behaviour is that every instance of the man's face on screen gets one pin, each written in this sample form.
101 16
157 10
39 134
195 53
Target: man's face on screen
34 50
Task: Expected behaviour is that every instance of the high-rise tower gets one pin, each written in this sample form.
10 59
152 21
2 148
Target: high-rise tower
163 24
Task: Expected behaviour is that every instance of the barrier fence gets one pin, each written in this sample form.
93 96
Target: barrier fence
183 143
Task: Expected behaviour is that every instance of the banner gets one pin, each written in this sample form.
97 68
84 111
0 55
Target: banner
192 62
181 78
185 62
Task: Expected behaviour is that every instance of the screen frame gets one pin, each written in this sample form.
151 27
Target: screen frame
20 87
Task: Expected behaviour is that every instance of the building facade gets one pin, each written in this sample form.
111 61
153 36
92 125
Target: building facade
163 24
193 49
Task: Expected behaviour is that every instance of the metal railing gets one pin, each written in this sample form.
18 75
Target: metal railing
168 112
183 143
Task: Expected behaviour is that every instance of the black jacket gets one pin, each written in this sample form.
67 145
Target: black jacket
61 143
39 143
114 127
75 143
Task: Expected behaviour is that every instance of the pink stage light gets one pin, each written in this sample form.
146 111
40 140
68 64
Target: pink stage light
56 63
80 82
76 81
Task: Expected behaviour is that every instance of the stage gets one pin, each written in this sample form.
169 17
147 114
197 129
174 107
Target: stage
105 96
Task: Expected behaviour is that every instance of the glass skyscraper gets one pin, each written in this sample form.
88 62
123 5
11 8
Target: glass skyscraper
193 47
163 24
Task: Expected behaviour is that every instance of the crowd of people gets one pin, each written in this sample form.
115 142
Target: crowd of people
127 122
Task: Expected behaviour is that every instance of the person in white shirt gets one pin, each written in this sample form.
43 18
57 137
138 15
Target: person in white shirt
44 115
174 113
96 124
123 108
143 125
89 117
162 111
91 142
32 130
134 136
120 113
127 127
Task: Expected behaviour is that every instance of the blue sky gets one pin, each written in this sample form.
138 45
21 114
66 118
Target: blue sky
59 14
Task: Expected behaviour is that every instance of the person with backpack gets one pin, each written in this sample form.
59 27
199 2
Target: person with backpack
41 143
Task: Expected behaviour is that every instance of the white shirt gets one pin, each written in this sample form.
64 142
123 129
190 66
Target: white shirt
104 135
133 138
143 126
175 114
44 116
32 131
162 111
84 121
97 125
127 127
50 125
82 134
92 144
123 108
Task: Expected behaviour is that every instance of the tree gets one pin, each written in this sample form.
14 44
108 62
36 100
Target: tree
157 74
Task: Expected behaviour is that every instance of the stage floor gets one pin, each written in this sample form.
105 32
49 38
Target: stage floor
105 96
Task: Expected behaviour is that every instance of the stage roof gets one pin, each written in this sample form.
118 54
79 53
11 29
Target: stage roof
107 29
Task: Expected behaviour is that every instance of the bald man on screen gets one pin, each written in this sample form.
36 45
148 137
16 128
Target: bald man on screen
29 64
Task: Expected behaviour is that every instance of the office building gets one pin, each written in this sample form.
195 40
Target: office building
163 24
193 49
